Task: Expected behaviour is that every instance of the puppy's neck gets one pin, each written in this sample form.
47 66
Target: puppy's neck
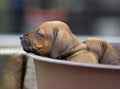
77 53
73 50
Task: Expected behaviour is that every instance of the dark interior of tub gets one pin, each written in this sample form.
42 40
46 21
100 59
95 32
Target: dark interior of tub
116 46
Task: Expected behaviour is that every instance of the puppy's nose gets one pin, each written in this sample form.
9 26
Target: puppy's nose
21 37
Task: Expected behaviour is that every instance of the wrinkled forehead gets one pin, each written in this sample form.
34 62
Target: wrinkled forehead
46 27
51 25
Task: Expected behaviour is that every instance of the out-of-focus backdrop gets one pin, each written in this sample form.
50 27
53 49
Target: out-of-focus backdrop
85 17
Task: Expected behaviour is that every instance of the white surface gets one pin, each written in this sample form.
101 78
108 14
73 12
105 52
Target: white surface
114 39
10 51
10 41
14 40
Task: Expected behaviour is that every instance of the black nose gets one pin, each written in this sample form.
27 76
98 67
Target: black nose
21 37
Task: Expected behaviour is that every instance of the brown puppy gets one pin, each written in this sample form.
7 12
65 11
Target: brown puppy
54 39
105 52
51 39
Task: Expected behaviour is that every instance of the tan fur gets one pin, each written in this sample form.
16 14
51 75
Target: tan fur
83 56
106 53
57 41
13 72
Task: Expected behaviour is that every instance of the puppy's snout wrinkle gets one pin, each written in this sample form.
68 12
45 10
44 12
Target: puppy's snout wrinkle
26 43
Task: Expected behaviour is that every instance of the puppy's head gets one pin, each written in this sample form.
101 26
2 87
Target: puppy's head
51 39
105 52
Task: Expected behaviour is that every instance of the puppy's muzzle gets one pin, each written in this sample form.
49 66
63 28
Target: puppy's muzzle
26 44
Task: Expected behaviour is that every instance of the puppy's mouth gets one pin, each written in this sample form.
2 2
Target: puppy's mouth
27 46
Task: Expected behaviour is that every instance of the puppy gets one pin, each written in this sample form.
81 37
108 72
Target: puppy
51 39
106 54
54 39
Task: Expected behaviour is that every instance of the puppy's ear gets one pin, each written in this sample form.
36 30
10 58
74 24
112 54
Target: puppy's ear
110 56
62 43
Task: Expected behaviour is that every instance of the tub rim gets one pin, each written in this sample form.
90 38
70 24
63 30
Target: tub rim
64 62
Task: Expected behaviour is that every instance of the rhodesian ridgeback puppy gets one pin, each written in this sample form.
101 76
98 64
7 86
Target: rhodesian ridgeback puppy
104 51
54 39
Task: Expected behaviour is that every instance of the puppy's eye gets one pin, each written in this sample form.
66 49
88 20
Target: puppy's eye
38 35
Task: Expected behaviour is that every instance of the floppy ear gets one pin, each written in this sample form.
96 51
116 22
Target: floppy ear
110 56
62 44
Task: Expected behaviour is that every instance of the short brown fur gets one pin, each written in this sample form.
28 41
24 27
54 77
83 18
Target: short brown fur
54 39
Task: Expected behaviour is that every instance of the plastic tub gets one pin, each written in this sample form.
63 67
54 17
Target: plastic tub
59 74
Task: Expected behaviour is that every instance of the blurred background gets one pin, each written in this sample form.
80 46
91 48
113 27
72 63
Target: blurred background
85 17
